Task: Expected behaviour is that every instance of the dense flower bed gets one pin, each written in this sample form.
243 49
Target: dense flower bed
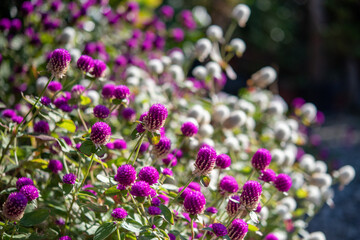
121 131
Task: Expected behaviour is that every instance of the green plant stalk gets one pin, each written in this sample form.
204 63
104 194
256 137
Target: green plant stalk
3 229
228 34
118 232
138 147
192 228
132 152
179 194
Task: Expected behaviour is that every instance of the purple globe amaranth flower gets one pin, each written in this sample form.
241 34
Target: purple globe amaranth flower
41 127
258 208
99 68
195 186
177 153
223 161
163 148
129 114
120 144
144 147
55 86
86 188
100 133
14 206
205 161
69 178
30 192
194 203
149 174
140 189
267 175
8 113
27 7
250 195
23 181
140 127
120 187
85 63
17 119
189 129
238 229
45 101
55 166
65 238
119 213
155 202
156 117
233 207
271 236
60 221
152 210
212 210
261 159
101 111
186 192
170 159
77 90
167 11
219 229
172 236
126 175
167 172
283 182
228 184
108 91
59 62
164 198
177 34
5 24
121 92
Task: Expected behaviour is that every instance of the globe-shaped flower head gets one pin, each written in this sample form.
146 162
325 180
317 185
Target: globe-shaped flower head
170 159
205 161
65 238
228 184
153 210
267 175
45 100
108 91
126 175
156 117
99 68
250 196
119 213
271 236
100 133
149 174
77 90
30 192
41 127
14 206
101 111
140 189
69 178
55 166
238 229
59 62
129 114
261 159
121 92
55 86
233 206
223 161
85 63
283 182
189 129
219 229
194 203
162 149
23 181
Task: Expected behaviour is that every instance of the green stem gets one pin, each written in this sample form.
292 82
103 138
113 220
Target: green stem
3 229
192 229
82 120
228 34
132 152
118 233
138 147
251 174
179 194
87 172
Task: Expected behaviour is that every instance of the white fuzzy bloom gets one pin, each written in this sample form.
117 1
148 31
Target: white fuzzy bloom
250 123
241 14
166 61
232 143
205 117
293 124
346 174
238 46
190 119
275 108
246 106
177 72
41 83
221 112
200 72
177 58
320 167
133 81
209 142
236 119
316 236
75 54
290 203
290 157
264 213
196 112
68 35
297 180
213 69
282 131
193 143
261 99
322 180
314 194
278 156
244 141
133 71
203 48
214 32
94 96
206 130
328 193
156 66
281 210
202 16
264 77
307 162
308 110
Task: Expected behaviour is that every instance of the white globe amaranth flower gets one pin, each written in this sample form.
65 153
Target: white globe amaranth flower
232 143
75 54
290 157
261 99
206 130
177 58
250 123
282 211
190 119
213 69
320 167
156 66
132 81
238 46
196 112
275 108
307 162
282 131
202 15
278 156
244 141
241 14
94 96
203 48
308 111
166 61
297 180
290 203
314 194
133 71
316 236
264 77
200 72
41 83
264 213
177 72
205 117
236 119
209 142
346 174
293 124
322 180
214 32
221 112
246 106
68 35
193 143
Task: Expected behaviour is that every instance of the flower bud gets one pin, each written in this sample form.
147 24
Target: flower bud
241 14
205 161
200 72
203 48
214 32
194 203
221 112
238 46
238 229
346 174
100 133
156 66
236 119
261 159
264 77
14 206
250 195
156 117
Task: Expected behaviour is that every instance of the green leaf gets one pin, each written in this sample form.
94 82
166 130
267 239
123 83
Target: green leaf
87 147
253 228
67 124
170 187
84 100
205 181
112 191
97 208
36 164
154 137
158 221
101 151
208 229
254 217
134 134
105 230
67 188
117 101
19 236
131 225
226 237
63 145
165 211
8 191
34 218
103 178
